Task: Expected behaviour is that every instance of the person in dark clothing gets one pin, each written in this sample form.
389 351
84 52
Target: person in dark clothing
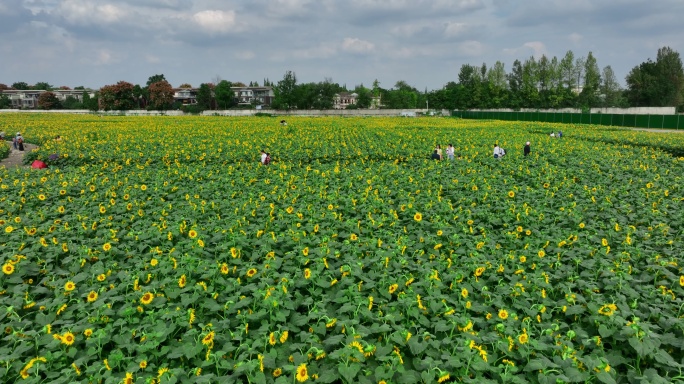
526 150
436 155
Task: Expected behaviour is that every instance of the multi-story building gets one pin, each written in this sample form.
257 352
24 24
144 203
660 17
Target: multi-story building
243 95
343 99
185 96
254 95
28 98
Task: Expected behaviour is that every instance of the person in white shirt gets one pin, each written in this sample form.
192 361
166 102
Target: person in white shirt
498 152
450 152
263 156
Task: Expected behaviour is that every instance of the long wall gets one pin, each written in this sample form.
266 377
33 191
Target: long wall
247 112
615 111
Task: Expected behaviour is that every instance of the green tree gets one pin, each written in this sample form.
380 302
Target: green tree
5 102
285 92
90 103
670 77
566 70
363 100
610 90
659 83
42 86
205 98
21 85
161 95
588 98
225 97
72 103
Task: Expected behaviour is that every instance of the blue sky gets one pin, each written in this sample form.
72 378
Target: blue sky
423 42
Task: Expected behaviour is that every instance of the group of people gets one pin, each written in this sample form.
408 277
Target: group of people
437 153
17 141
498 152
558 135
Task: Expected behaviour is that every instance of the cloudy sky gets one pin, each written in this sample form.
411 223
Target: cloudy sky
423 42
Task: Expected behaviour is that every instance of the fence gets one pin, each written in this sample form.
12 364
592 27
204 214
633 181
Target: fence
618 120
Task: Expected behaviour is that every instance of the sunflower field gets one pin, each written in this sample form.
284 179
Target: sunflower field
159 250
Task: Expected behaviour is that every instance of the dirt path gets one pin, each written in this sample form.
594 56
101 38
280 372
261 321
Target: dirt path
16 157
659 130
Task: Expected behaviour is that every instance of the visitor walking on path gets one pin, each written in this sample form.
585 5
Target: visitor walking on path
15 158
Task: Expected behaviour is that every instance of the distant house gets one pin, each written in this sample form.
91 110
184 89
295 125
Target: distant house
28 98
262 96
185 96
344 99
254 95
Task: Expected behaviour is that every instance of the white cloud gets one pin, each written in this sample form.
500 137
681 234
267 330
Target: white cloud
452 29
245 55
215 21
354 45
86 12
575 37
152 59
471 48
321 51
537 47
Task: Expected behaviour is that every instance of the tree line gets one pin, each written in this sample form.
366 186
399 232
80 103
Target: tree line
543 83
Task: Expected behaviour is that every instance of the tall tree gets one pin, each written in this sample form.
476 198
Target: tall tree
658 83
670 77
496 81
285 92
225 97
515 84
592 81
610 90
161 95
567 70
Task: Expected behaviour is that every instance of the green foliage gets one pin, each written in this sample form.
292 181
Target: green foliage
225 97
351 258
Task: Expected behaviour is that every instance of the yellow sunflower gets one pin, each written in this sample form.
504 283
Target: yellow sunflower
302 373
353 237
68 338
192 234
277 372
69 286
523 339
503 314
8 269
417 216
92 296
307 273
146 298
251 272
106 247
393 288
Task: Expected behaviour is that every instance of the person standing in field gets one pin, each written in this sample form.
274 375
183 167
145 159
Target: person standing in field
438 148
526 150
263 157
450 152
436 155
498 152
19 144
